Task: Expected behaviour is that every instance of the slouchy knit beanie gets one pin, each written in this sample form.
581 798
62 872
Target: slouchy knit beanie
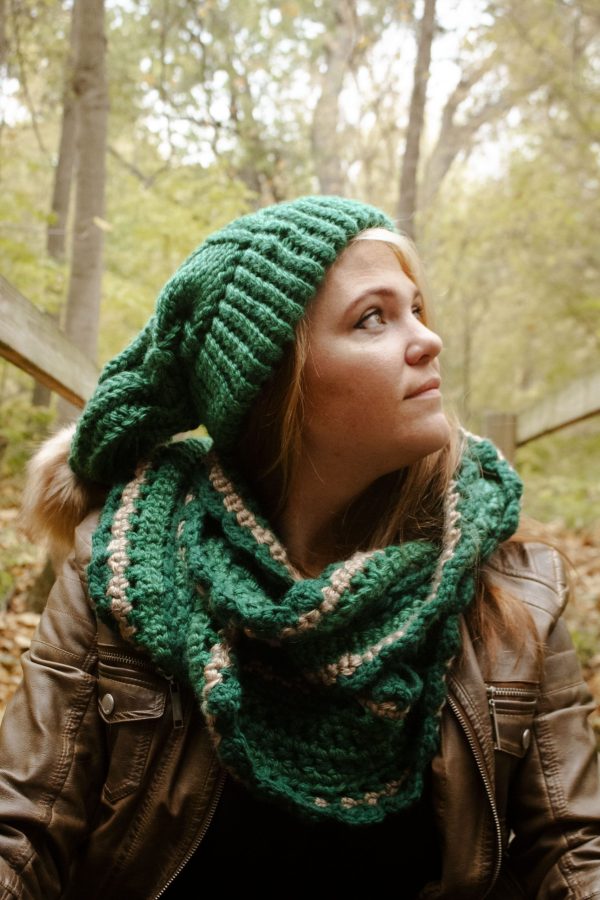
220 327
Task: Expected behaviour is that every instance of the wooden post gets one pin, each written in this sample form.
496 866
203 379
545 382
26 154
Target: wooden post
501 429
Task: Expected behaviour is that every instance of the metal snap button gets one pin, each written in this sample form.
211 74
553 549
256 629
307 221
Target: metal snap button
526 739
107 704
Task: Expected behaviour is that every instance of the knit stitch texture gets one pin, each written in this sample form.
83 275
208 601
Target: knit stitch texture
322 694
220 326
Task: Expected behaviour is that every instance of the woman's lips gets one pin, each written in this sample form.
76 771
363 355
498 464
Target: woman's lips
429 388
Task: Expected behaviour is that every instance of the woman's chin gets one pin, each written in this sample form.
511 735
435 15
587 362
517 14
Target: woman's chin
431 438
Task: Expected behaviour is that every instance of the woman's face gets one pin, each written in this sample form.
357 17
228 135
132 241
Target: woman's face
372 382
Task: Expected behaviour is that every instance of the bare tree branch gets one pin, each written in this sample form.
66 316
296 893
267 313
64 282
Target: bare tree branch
457 136
24 81
146 180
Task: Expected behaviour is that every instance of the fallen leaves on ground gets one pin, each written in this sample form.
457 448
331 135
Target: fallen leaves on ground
582 615
16 631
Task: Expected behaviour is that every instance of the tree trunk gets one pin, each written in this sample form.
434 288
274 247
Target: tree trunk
407 204
56 232
325 145
63 174
83 297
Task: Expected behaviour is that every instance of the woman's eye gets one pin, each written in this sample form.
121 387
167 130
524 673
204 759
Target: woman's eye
371 319
418 310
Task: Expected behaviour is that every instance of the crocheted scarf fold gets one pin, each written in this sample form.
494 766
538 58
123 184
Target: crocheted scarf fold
323 694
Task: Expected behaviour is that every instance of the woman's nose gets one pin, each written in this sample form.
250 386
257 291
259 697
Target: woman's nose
424 344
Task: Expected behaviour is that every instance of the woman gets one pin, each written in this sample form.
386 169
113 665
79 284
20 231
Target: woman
313 635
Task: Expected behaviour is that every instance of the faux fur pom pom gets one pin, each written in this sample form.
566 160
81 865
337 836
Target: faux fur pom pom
56 500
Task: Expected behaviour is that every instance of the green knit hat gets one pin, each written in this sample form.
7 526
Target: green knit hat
219 329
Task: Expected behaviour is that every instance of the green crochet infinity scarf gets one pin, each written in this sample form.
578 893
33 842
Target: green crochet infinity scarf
323 694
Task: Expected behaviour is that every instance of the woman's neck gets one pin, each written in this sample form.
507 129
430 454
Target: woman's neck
315 525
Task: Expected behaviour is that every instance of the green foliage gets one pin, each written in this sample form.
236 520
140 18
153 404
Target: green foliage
512 262
22 426
24 206
586 645
151 231
37 35
560 472
518 291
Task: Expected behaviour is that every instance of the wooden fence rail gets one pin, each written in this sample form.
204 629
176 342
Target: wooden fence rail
32 341
577 401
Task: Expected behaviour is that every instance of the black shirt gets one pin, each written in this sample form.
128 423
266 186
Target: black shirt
271 849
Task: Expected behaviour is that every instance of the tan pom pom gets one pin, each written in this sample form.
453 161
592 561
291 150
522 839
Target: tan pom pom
56 500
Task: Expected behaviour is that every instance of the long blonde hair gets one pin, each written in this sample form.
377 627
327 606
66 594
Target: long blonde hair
405 505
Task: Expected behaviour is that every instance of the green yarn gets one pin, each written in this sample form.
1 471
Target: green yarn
220 325
322 694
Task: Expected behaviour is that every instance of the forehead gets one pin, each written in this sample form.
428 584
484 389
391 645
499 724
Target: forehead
363 264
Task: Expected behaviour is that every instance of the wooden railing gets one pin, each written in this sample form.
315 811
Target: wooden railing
577 401
33 341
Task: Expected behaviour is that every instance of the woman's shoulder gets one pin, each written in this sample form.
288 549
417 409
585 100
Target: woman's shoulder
533 571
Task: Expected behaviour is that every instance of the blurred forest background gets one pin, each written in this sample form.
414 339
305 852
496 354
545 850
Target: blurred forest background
130 130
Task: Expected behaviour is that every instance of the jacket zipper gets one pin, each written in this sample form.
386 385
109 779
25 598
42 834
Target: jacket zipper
177 710
200 837
138 662
491 692
148 666
511 692
481 766
176 705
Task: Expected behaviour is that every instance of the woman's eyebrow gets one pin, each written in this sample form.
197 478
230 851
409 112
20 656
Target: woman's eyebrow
382 291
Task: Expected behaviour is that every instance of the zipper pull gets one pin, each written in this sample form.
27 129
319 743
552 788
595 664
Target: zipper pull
176 705
491 692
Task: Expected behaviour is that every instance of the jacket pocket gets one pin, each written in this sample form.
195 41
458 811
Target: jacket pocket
512 708
131 701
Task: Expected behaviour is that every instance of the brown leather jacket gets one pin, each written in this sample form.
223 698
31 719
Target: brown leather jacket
108 781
